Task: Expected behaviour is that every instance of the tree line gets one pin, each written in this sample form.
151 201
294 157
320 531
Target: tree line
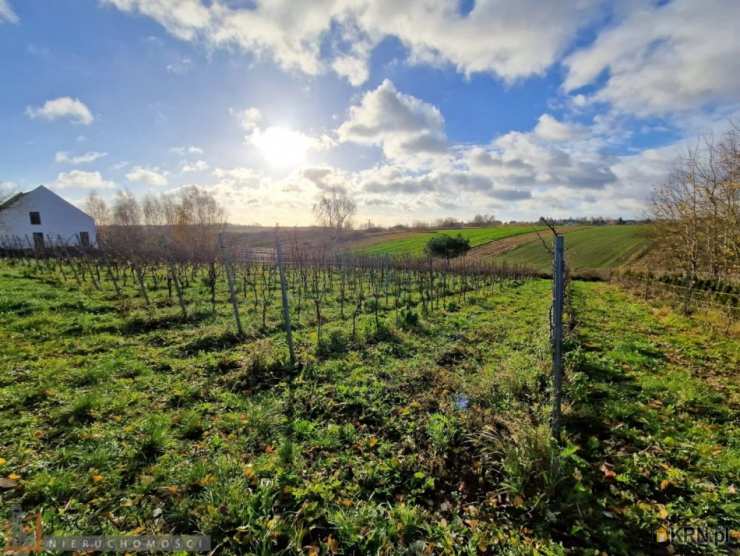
697 223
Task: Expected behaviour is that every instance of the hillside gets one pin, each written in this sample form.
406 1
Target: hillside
412 243
597 247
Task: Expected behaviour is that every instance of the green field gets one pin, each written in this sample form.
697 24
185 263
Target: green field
415 437
414 242
597 247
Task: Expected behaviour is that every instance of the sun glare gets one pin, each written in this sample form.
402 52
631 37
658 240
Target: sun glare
281 147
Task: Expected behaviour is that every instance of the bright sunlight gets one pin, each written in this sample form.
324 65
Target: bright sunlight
281 147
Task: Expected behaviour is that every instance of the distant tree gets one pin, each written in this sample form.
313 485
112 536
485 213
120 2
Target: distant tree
448 222
335 210
448 247
126 209
484 219
97 208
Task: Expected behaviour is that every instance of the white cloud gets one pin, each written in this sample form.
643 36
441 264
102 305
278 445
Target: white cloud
401 124
182 151
197 166
63 157
249 118
7 13
82 179
512 40
551 129
180 67
664 58
148 176
62 107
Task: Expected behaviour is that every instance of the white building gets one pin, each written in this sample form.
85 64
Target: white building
41 218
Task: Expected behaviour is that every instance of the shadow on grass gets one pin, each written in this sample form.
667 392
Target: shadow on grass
213 342
142 325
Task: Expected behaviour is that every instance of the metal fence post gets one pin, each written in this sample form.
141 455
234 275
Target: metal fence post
558 294
230 280
284 295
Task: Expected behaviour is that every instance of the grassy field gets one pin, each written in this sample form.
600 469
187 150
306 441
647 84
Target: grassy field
597 247
417 437
413 243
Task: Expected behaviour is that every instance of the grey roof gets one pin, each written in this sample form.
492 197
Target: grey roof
11 200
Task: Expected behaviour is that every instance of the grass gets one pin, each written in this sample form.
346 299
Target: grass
413 243
598 247
426 435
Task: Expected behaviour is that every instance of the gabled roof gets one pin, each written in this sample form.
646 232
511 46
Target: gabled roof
13 199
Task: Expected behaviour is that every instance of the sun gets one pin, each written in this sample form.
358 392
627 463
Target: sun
281 147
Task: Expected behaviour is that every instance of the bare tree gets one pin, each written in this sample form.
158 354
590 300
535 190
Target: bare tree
97 208
126 209
335 210
696 214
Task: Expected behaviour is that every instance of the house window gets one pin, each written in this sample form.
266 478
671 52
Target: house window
38 240
84 239
35 218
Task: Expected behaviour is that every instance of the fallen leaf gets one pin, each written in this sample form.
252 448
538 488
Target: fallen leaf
249 472
7 483
97 478
3 461
664 484
331 544
372 441
662 512
518 501
14 477
608 473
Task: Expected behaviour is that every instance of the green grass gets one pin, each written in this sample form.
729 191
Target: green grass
414 242
417 437
598 247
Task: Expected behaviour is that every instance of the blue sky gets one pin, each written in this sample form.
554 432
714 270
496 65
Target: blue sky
419 110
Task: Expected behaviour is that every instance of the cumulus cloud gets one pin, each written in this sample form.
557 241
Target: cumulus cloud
63 157
82 179
554 130
512 40
7 13
249 118
148 176
401 124
62 108
663 58
197 166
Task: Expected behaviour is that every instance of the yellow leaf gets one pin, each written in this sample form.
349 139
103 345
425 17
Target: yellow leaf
331 544
97 478
661 535
664 484
14 477
372 441
249 472
313 551
172 489
346 502
3 461
207 480
662 512
518 501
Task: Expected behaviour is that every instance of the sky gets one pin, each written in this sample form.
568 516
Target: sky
420 109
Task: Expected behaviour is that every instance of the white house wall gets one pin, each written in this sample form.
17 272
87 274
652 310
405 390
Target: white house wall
61 222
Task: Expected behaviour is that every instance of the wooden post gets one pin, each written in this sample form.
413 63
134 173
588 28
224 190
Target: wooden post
286 306
558 294
230 280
